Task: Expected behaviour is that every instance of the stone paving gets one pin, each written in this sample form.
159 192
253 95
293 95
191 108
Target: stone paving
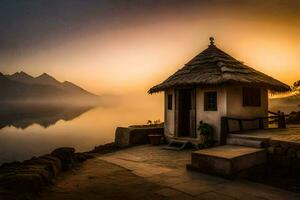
290 134
167 169
99 180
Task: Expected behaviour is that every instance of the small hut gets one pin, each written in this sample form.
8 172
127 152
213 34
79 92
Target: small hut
210 86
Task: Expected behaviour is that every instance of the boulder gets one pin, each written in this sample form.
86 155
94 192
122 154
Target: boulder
271 150
298 154
25 177
66 156
10 167
291 153
279 151
27 182
32 175
41 170
89 155
285 146
56 161
51 164
80 157
106 148
274 143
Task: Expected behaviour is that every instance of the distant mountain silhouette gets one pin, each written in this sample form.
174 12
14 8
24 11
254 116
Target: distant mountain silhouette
21 77
21 86
287 104
46 79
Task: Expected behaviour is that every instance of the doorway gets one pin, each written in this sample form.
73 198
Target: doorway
186 113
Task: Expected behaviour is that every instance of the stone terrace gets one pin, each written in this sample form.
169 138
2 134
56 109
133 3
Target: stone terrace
290 135
168 169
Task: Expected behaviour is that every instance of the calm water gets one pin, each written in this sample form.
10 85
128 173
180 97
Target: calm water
35 130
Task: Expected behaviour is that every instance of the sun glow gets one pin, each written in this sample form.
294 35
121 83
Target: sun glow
132 58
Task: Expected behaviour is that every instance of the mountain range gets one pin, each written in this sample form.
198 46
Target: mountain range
286 104
22 86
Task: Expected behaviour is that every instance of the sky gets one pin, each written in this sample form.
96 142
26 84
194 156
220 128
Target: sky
127 46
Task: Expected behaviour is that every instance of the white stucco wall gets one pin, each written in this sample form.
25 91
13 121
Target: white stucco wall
230 103
211 117
236 109
170 115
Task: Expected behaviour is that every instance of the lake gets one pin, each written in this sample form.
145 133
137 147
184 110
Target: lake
27 131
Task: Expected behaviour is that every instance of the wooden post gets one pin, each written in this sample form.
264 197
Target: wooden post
193 132
241 124
224 130
279 119
283 123
261 123
176 93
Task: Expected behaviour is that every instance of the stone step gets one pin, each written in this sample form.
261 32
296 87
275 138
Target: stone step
227 160
177 145
245 142
249 137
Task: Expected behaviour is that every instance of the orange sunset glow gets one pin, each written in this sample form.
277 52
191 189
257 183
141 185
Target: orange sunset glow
149 99
132 53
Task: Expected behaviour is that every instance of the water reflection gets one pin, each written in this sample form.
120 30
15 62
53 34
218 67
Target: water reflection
22 116
24 135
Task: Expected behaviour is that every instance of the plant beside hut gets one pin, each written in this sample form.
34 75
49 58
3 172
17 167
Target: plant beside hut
206 134
150 124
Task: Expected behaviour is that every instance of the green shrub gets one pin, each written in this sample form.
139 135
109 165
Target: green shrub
208 132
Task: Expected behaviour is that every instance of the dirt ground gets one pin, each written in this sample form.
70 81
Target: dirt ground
98 179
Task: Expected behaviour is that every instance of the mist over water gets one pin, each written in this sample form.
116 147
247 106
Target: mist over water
32 129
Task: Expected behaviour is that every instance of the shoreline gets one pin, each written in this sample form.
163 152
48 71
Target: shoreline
144 162
29 177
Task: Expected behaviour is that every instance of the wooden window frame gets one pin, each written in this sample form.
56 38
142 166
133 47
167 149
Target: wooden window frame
207 106
170 101
251 97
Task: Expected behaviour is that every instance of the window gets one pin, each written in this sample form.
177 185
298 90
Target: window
210 101
170 101
251 96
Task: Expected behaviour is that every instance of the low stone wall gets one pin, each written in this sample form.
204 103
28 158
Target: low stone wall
23 180
32 175
130 136
284 155
282 166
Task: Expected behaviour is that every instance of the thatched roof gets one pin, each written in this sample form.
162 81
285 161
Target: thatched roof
215 67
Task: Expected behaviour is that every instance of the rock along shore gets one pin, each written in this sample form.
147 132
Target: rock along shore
22 180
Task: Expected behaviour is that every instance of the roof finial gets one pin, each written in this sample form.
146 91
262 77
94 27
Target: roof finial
212 40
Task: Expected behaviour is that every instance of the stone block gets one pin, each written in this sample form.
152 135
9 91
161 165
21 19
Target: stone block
51 164
274 143
130 136
279 151
41 170
66 156
227 160
56 161
291 153
245 142
271 150
298 154
27 182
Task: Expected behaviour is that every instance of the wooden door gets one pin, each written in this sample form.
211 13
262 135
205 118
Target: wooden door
193 114
185 113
